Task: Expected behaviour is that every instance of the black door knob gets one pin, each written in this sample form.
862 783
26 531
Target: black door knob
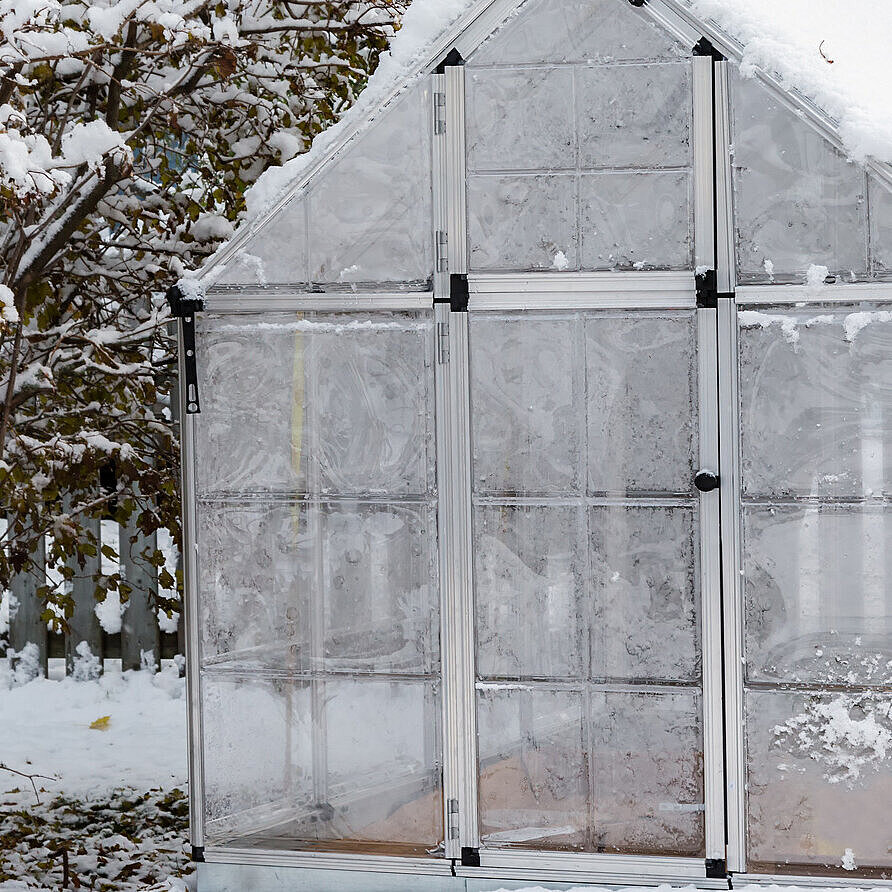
706 481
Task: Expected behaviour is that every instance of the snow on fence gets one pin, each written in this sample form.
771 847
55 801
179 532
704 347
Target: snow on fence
137 633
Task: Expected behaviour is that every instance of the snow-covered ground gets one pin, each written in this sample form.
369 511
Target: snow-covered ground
112 753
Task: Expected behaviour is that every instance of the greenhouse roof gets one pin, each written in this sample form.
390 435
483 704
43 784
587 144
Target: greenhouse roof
830 56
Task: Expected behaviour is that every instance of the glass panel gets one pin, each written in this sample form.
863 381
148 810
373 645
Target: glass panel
642 393
816 401
370 208
643 613
522 222
591 31
381 594
276 254
815 408
635 116
819 593
533 770
611 581
819 780
880 203
318 581
256 583
646 756
526 390
636 220
797 200
540 207
500 105
528 563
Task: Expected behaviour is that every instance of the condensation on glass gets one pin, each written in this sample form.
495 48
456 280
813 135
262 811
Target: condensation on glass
579 142
363 218
318 589
816 463
590 732
799 202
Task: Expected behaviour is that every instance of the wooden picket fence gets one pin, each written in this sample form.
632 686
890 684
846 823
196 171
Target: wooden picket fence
141 640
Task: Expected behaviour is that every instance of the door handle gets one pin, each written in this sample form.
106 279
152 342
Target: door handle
706 481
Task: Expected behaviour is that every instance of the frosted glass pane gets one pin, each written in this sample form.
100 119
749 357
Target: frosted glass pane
258 761
373 779
250 435
522 222
635 115
526 394
370 208
372 391
647 774
276 254
818 584
880 198
533 771
644 616
819 780
501 104
380 585
588 31
384 763
638 220
797 200
316 402
641 402
256 583
816 402
529 566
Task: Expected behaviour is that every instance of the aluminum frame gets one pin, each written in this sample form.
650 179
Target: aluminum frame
194 729
245 303
704 162
766 295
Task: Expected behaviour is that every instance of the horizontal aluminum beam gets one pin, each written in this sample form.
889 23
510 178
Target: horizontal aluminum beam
748 295
245 301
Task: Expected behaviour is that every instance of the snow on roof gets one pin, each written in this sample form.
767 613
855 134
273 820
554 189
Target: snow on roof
833 52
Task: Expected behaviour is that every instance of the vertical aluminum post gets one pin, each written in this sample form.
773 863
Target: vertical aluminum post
194 733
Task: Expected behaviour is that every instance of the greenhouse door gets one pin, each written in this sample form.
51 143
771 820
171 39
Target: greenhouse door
594 561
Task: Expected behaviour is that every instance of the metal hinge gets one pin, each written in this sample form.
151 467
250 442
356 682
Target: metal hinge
452 811
443 358
439 113
442 251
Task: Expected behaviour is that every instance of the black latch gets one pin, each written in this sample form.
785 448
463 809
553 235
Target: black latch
716 869
470 857
198 854
185 308
458 293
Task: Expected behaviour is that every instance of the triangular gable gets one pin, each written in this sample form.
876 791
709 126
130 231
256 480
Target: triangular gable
304 242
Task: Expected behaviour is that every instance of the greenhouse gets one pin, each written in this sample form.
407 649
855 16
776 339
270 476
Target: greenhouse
537 479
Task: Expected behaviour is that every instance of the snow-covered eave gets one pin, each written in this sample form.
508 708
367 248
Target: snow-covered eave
465 32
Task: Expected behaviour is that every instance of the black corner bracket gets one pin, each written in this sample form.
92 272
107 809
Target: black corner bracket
452 58
716 869
458 293
470 857
704 47
708 294
198 854
180 305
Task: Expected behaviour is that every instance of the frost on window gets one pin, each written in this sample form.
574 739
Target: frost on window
815 402
819 779
370 208
818 586
364 216
317 568
276 254
600 176
583 520
798 201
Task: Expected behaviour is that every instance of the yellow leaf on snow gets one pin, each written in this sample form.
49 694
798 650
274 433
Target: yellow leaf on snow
101 724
